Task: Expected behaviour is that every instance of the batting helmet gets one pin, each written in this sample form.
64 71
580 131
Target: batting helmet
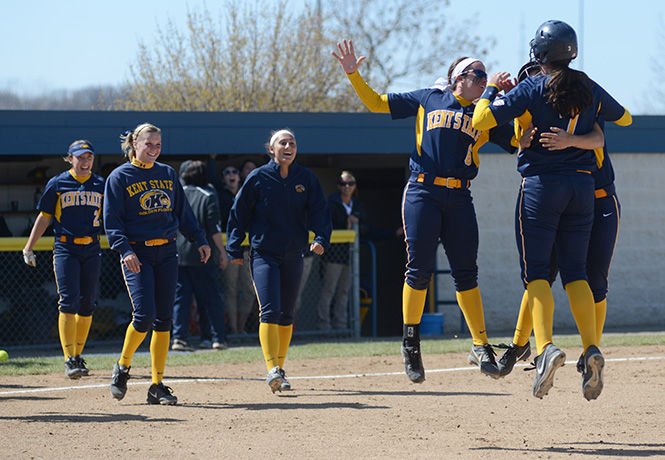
530 69
554 41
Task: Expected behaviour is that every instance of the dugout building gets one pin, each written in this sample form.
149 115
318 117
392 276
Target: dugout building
376 150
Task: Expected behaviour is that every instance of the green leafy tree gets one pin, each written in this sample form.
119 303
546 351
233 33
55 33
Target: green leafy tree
268 56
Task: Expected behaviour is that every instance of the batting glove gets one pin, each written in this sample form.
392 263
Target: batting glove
29 258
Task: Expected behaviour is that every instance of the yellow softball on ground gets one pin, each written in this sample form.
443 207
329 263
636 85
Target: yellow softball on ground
4 356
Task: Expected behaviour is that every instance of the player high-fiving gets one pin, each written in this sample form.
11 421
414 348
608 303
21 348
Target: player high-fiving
437 204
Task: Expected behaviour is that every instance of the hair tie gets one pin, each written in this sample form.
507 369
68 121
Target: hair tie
457 71
279 133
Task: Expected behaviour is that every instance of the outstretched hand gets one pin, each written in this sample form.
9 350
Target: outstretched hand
502 80
347 56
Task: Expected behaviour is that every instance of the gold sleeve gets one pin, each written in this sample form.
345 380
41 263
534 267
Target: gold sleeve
483 118
626 119
374 101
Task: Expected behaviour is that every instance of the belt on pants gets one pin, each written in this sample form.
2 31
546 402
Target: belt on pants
600 193
153 242
78 239
448 182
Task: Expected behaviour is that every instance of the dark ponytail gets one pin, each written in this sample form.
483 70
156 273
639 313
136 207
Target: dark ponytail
569 90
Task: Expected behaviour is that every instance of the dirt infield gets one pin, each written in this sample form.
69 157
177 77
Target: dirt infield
455 413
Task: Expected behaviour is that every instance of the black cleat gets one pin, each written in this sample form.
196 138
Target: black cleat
158 393
286 385
119 381
580 364
512 354
592 377
483 357
546 365
413 362
82 365
72 369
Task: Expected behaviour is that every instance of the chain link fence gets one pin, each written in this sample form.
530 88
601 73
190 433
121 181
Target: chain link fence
29 298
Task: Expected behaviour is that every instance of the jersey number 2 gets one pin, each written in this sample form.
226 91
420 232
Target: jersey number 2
96 222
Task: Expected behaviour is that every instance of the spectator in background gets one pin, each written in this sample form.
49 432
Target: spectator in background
345 211
196 277
239 296
246 167
4 229
307 262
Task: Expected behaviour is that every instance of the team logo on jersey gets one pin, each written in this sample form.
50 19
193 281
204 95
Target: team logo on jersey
499 102
154 200
300 188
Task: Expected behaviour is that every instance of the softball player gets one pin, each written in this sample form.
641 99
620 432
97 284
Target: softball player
277 204
556 198
144 207
604 231
74 198
437 203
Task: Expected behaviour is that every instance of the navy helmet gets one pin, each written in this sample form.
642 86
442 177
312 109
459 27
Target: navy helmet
554 41
530 69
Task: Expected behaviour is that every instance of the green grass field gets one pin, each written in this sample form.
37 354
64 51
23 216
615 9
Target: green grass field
33 365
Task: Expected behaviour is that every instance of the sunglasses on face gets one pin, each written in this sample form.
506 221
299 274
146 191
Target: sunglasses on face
477 74
350 183
230 171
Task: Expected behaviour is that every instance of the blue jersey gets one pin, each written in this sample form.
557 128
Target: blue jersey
530 96
144 203
278 212
604 176
75 203
446 143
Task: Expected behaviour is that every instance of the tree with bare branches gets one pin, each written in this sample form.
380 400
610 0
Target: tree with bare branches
272 57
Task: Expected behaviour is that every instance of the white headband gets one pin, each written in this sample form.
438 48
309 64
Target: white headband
457 71
279 133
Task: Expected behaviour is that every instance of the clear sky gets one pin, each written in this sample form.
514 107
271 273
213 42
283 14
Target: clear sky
68 44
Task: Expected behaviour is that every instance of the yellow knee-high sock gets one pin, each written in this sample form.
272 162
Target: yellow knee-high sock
584 311
82 329
133 339
159 350
541 304
472 308
524 323
601 311
269 338
285 333
413 304
67 330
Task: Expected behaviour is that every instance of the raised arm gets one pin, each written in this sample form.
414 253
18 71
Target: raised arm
374 101
483 118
